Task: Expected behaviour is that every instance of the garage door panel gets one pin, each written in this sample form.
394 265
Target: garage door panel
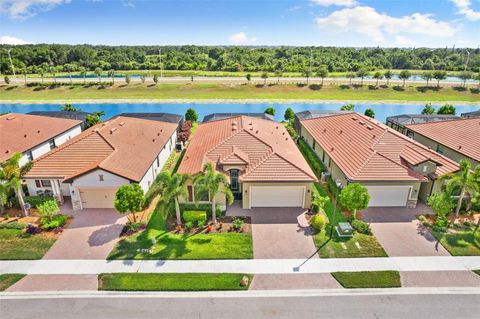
388 196
98 197
277 196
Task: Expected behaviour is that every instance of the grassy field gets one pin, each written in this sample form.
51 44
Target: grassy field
190 246
368 279
233 91
170 282
14 244
460 242
7 280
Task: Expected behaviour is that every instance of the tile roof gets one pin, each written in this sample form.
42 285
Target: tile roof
124 146
405 119
365 149
462 135
22 132
264 146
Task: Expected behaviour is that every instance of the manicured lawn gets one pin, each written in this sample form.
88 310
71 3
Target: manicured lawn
460 242
170 282
190 246
229 91
14 244
369 246
7 280
368 279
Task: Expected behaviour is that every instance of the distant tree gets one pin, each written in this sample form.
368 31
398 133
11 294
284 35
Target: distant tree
354 197
69 68
24 71
111 73
377 76
278 74
264 77
307 73
142 78
466 75
447 109
404 75
477 77
270 110
53 71
129 199
427 76
362 73
191 115
439 75
289 114
388 75
370 113
249 77
83 73
347 107
155 78
322 73
7 80
98 72
69 108
350 75
127 78
191 78
428 109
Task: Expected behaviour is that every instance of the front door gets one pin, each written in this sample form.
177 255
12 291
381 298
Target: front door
234 184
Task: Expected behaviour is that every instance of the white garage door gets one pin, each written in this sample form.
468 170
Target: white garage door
276 196
98 197
384 196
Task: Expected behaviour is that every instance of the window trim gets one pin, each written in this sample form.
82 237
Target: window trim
46 183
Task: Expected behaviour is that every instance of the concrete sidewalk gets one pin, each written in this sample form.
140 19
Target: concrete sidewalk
253 266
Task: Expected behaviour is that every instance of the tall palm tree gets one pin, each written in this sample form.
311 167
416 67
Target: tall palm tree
11 173
213 183
464 181
172 187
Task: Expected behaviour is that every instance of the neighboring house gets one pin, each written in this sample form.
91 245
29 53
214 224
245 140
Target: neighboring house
33 135
312 114
91 167
471 114
395 169
457 140
72 115
222 116
264 165
399 122
161 117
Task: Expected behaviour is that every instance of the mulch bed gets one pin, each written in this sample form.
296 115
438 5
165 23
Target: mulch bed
224 225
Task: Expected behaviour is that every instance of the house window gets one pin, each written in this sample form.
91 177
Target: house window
100 177
440 149
29 155
37 183
313 144
51 143
190 193
323 157
46 183
234 179
424 168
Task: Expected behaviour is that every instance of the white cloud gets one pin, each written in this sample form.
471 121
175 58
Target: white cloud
6 39
404 42
242 38
294 8
464 7
340 3
366 20
22 9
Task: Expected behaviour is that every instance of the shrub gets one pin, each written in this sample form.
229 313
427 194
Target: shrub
188 225
439 229
194 216
135 226
311 158
237 223
361 227
12 225
422 218
37 200
467 223
291 131
475 90
54 222
201 223
48 209
442 221
317 222
203 207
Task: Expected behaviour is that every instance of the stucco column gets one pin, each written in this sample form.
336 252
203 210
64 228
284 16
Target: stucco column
57 193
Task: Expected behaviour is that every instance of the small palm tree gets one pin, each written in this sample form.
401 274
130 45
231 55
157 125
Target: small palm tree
171 188
98 72
307 73
388 75
322 73
264 77
377 76
83 73
11 174
278 74
464 181
112 74
213 183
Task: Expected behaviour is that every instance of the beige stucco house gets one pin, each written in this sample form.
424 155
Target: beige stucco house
457 140
264 166
91 167
396 170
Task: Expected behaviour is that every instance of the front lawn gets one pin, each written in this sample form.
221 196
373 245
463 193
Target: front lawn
170 282
368 279
157 243
15 244
7 280
460 242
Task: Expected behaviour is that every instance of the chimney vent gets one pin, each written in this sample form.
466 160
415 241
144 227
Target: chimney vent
113 129
362 123
10 118
121 123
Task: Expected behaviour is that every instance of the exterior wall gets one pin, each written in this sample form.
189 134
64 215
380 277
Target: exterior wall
220 199
44 148
429 188
246 191
451 154
425 168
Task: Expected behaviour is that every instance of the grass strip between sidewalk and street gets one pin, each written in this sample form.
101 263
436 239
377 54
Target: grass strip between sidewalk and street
7 280
368 279
171 281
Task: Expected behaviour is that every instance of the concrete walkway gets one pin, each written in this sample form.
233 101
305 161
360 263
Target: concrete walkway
253 266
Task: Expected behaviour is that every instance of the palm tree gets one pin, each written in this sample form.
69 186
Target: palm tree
388 75
265 77
362 73
112 74
171 188
83 73
427 76
464 181
404 75
11 173
98 72
278 74
53 71
4 187
377 76
307 73
213 183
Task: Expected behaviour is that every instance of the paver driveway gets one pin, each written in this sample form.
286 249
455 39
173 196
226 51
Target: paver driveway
280 232
91 235
400 233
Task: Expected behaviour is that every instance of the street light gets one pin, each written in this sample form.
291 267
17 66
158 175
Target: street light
11 63
466 62
339 186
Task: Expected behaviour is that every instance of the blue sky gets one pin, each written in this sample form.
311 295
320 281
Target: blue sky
404 23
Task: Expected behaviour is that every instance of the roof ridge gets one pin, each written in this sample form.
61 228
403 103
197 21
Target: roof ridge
224 141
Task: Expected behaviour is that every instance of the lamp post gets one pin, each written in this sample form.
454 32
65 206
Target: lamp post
11 63
466 62
334 219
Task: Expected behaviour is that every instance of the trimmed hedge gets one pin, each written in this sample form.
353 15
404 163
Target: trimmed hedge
194 216
12 225
55 222
203 207
312 158
37 200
